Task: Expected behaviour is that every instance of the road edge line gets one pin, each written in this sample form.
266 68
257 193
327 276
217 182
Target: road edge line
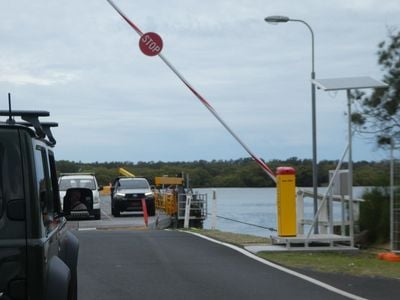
281 268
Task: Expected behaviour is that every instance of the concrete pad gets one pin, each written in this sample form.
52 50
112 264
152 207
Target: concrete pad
281 248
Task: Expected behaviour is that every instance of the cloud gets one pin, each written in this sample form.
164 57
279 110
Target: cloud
81 61
46 79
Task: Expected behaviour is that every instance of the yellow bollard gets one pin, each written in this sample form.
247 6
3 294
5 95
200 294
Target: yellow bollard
286 201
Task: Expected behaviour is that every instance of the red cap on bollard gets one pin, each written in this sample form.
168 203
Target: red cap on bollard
285 171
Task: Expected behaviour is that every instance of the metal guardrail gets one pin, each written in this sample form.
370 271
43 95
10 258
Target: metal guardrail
174 204
326 220
198 207
166 201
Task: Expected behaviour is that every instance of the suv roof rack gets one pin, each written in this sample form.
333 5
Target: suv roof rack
31 118
45 126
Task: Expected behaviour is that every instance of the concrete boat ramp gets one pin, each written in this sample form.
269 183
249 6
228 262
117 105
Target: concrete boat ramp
129 221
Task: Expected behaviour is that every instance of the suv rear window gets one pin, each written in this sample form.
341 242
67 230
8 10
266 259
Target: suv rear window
67 183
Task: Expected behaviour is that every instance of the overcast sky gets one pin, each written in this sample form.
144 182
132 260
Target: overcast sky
81 61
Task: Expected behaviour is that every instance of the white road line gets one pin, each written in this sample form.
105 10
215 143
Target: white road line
87 229
283 269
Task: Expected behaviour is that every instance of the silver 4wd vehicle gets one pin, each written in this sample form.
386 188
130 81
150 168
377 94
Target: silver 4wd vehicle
38 255
127 194
82 180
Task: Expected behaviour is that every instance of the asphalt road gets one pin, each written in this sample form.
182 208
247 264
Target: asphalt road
156 264
127 219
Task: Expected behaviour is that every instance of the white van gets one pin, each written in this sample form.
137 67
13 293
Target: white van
82 180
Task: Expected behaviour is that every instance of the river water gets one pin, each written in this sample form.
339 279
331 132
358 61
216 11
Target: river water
250 205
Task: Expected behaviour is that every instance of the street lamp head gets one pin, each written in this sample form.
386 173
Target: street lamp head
276 19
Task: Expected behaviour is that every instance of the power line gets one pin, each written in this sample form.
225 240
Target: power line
245 223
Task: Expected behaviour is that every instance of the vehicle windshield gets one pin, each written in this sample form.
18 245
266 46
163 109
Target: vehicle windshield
67 183
133 184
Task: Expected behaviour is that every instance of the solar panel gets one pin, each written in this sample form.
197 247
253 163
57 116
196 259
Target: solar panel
348 83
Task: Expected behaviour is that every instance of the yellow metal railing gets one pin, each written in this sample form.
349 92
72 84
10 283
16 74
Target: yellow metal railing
171 206
158 200
166 201
167 198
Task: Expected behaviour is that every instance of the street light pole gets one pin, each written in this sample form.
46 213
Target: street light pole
283 19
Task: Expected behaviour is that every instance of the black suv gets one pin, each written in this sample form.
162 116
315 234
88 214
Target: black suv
127 194
38 255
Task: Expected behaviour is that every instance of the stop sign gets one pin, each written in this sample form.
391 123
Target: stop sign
150 43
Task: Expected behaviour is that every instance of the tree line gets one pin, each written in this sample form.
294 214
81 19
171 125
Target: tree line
243 172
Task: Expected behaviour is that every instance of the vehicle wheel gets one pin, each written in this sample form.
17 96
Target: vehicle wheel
73 288
115 212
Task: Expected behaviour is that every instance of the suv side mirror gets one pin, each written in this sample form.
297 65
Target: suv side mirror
100 188
61 214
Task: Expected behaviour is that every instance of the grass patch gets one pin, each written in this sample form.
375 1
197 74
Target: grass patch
233 238
361 263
